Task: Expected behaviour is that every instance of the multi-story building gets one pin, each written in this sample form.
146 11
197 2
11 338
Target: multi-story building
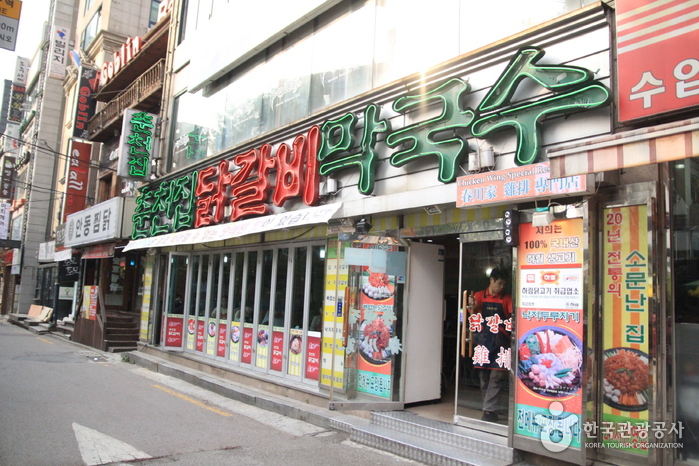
121 56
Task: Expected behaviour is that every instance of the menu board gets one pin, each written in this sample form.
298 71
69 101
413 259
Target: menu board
550 329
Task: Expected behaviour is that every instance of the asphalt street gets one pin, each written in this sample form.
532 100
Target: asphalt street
66 404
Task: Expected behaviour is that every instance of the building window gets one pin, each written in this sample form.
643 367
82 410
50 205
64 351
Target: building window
183 22
91 30
88 4
153 18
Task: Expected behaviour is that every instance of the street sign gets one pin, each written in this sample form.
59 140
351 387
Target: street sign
9 23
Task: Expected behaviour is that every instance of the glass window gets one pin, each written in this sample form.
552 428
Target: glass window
91 30
193 286
193 128
88 4
225 286
280 286
183 21
315 310
299 288
213 295
238 285
685 222
250 287
177 285
153 17
203 282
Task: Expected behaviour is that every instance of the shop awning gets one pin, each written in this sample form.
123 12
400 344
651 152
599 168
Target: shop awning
662 143
293 219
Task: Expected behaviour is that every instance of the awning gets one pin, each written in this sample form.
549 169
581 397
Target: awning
101 251
293 219
661 143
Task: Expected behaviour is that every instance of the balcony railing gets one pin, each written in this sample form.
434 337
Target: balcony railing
146 84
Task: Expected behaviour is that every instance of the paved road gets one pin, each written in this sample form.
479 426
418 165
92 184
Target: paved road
66 404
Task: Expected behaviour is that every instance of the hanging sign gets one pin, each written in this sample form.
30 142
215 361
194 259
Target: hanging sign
58 52
138 145
550 330
16 102
6 176
78 171
626 331
9 23
85 105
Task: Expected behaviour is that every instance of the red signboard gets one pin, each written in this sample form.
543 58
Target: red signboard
657 64
85 105
221 350
247 345
76 184
174 334
313 357
201 329
277 351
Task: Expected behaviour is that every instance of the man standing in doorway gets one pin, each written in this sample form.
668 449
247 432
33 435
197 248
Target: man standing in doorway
490 321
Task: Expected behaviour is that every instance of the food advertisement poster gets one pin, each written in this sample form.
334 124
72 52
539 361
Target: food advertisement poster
211 337
90 302
277 363
173 335
246 357
336 276
191 332
235 341
627 289
313 356
262 346
201 329
222 339
295 350
550 326
376 301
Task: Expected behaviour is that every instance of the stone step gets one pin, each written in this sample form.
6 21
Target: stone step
420 449
462 438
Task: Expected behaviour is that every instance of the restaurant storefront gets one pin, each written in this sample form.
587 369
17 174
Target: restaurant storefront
338 255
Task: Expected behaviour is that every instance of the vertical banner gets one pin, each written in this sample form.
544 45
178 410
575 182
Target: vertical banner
234 353
85 105
15 111
138 145
4 219
246 357
211 337
277 363
191 332
222 339
58 52
336 276
78 170
146 297
7 176
627 289
313 356
550 329
90 302
201 329
295 352
262 346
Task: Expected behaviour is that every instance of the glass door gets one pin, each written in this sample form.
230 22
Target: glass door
223 310
279 310
213 304
262 316
482 381
174 306
248 308
236 306
191 302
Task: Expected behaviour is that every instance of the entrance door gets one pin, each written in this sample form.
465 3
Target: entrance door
482 384
174 305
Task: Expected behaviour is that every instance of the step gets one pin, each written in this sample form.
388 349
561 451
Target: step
119 347
463 438
420 449
122 337
109 330
119 324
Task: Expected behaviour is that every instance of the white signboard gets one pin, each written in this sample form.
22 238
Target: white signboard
58 52
97 223
47 251
4 219
21 71
8 33
11 137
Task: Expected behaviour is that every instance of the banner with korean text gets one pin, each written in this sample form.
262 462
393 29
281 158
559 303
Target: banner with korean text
550 329
627 289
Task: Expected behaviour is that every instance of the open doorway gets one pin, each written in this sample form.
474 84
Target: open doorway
467 267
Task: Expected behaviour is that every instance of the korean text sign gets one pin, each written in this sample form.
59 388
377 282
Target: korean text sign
550 326
627 291
657 65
